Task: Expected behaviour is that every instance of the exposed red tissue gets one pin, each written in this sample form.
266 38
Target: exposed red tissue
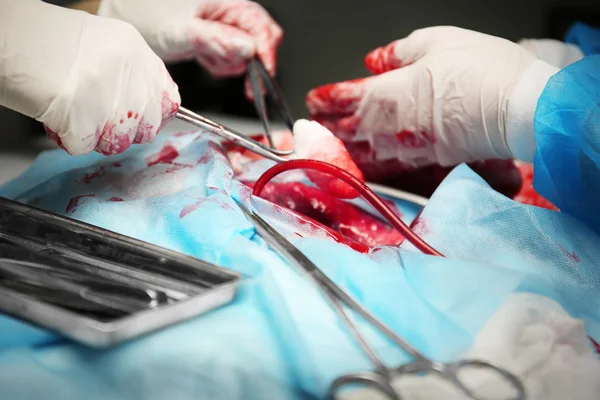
527 194
514 180
332 212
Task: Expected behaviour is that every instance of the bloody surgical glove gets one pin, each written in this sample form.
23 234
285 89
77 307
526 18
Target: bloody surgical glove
443 95
220 34
93 82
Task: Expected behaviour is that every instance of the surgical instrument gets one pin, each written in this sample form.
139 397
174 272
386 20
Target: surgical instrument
55 286
381 378
95 286
259 78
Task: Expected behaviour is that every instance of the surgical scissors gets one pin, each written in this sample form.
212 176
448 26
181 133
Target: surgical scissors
257 74
381 378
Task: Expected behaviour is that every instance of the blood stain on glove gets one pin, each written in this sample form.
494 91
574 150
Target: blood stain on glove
345 127
112 141
410 140
145 132
168 107
117 199
130 115
373 169
332 212
383 59
54 137
335 98
313 141
74 203
239 29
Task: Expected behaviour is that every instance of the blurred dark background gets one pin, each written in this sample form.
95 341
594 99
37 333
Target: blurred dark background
325 41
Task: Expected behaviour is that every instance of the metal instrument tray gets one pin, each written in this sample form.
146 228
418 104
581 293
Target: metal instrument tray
188 286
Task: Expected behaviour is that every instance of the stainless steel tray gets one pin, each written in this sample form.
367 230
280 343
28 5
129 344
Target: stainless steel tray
28 235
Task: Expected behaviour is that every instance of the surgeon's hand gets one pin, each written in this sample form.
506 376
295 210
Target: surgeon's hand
93 82
440 96
220 34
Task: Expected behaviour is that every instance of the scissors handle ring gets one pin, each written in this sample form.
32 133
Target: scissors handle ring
369 379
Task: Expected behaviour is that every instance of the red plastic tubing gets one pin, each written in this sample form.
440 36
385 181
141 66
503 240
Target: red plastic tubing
357 185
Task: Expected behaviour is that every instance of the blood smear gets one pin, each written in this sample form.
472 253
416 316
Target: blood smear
74 203
166 155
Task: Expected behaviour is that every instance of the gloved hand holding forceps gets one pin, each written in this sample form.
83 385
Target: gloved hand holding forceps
98 83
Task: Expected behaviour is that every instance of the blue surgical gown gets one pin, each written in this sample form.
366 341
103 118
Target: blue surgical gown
567 133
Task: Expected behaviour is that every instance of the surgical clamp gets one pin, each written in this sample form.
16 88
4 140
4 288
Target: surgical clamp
259 78
381 378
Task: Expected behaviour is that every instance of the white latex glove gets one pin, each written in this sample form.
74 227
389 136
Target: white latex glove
441 96
220 34
554 52
532 337
93 82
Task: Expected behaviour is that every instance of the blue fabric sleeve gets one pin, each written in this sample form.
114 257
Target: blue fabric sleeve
567 133
585 37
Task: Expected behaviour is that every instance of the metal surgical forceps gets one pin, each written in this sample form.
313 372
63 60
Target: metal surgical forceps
259 77
381 378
